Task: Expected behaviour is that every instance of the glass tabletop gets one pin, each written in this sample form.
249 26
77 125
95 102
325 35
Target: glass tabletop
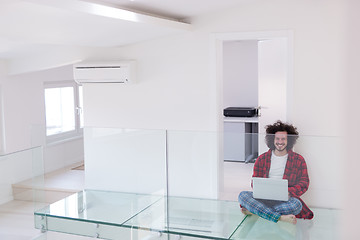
204 218
191 217
112 208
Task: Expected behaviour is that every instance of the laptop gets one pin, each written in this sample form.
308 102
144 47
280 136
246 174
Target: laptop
270 189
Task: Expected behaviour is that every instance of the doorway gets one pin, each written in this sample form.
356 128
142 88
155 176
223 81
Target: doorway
253 69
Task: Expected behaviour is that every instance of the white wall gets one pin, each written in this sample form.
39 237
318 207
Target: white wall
273 80
125 161
14 168
192 158
351 128
176 88
29 130
326 183
240 73
2 129
24 126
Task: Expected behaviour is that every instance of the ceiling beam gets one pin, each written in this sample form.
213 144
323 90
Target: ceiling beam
112 12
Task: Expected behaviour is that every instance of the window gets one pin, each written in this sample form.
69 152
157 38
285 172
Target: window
63 111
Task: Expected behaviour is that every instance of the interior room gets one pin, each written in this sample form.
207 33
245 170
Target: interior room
157 132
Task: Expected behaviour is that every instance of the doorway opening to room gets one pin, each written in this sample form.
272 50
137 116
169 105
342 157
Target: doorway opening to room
254 71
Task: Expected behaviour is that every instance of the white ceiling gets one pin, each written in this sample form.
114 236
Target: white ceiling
30 25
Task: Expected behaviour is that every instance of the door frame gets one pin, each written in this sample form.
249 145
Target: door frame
218 39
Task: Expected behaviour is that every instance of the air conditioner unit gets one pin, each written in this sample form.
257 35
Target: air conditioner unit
105 72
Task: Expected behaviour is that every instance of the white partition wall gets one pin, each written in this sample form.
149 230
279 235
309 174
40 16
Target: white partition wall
192 163
125 160
151 161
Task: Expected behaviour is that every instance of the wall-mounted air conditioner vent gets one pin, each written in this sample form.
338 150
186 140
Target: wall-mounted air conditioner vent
105 72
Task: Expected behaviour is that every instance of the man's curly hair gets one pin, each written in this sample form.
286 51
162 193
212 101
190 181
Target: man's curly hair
279 126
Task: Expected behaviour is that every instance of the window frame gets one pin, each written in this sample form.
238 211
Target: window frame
69 135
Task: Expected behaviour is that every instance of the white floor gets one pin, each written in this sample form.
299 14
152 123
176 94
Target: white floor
17 218
17 221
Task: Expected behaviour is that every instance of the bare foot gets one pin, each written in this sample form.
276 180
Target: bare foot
288 218
245 211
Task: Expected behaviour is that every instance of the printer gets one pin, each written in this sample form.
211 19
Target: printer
240 112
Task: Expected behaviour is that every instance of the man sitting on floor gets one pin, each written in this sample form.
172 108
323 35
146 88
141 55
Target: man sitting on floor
280 162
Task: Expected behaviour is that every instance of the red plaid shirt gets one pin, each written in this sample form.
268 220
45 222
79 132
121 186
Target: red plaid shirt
296 174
